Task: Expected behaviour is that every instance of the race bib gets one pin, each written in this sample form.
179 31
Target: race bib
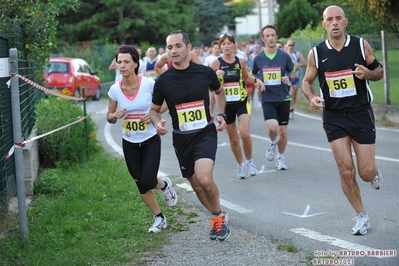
341 83
232 91
272 75
152 74
191 116
132 124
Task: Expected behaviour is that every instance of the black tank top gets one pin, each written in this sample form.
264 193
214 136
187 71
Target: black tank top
339 87
232 81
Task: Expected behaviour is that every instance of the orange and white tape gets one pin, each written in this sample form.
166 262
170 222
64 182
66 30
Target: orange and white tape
21 144
48 91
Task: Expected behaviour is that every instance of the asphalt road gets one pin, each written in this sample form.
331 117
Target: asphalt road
303 205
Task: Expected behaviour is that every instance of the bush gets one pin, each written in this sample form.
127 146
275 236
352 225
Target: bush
67 146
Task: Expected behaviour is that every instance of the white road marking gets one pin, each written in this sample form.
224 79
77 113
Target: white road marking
234 207
330 240
262 170
324 149
305 213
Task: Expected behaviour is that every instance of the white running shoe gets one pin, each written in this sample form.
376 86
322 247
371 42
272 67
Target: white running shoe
362 224
169 193
241 171
259 104
251 168
280 163
376 183
159 224
271 151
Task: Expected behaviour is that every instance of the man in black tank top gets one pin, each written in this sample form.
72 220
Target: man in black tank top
344 65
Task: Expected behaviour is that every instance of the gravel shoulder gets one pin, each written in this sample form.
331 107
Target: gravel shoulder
193 247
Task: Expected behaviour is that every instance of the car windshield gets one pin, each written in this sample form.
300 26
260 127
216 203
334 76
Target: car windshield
57 67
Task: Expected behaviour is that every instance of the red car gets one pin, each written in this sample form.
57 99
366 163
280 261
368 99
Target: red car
70 75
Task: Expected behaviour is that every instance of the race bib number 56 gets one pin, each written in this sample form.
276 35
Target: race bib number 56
341 83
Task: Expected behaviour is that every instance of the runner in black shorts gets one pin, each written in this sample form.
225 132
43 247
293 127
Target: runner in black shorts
232 73
344 65
185 89
276 68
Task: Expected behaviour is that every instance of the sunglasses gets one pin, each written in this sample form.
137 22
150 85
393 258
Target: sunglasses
291 45
226 35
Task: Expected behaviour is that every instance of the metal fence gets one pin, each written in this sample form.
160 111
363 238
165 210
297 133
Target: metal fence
29 96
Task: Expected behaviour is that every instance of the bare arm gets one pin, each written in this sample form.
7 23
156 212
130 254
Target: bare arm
221 104
307 84
362 72
112 66
192 56
114 113
156 120
302 59
160 65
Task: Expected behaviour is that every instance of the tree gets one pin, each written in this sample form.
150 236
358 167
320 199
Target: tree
384 12
129 22
212 15
295 15
240 9
37 19
356 18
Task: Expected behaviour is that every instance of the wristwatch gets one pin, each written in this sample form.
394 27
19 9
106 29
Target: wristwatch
224 116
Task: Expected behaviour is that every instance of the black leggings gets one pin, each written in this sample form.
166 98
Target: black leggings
142 160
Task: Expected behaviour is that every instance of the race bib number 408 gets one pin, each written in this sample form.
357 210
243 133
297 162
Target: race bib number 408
341 83
191 115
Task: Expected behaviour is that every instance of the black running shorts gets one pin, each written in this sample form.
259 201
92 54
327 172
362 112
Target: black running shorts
359 124
236 109
277 110
191 147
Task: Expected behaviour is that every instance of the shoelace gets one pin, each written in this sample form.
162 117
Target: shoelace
360 221
217 223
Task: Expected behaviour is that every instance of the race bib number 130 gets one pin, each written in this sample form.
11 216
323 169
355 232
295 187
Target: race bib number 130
191 116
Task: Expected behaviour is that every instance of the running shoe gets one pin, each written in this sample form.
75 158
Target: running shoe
259 104
220 227
251 168
291 115
241 171
159 224
271 151
376 183
169 193
280 163
362 224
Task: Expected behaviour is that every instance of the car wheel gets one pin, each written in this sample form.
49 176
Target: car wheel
97 95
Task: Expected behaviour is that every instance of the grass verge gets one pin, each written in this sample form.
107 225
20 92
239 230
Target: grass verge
89 214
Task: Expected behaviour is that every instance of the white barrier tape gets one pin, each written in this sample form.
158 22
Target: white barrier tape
11 151
45 89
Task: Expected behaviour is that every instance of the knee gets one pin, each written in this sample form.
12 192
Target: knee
234 142
150 183
368 174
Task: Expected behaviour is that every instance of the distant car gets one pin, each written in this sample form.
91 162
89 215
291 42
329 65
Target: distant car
70 75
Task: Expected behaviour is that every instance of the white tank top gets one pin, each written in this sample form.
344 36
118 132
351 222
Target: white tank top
138 105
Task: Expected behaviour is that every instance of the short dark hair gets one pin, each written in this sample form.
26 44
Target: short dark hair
268 27
215 43
186 40
128 49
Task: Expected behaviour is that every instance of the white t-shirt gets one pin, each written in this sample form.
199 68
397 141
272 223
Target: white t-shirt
209 59
133 130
